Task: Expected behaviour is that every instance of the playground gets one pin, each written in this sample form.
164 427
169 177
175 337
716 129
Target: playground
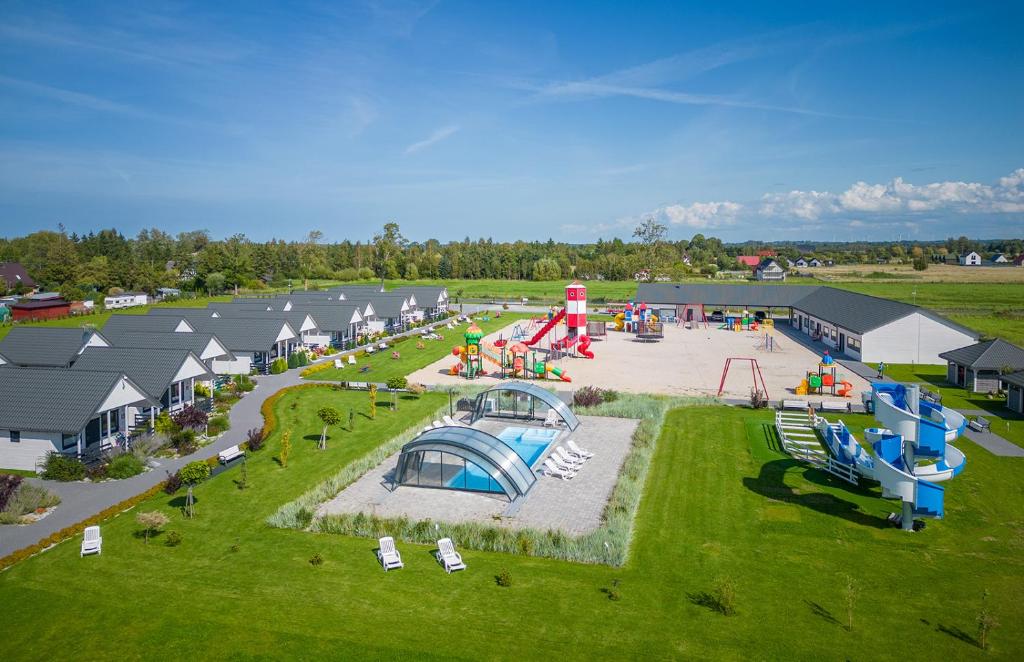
686 362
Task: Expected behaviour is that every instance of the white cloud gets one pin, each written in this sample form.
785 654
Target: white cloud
700 214
899 196
437 136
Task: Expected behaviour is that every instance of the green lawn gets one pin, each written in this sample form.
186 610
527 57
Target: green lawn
383 367
720 502
1005 422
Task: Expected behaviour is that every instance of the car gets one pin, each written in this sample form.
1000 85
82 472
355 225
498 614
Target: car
717 316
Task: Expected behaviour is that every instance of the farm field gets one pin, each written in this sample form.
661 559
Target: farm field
722 505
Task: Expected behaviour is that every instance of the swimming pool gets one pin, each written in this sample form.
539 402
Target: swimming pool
528 443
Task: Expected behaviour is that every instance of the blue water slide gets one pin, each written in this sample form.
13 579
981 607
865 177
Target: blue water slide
929 501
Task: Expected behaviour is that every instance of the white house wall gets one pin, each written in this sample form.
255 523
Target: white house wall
124 393
190 368
897 342
242 365
28 452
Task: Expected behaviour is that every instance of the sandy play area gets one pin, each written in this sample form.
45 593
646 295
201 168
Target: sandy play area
685 362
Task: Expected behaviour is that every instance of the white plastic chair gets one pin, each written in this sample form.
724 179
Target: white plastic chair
338 364
388 555
448 557
351 359
448 420
92 541
551 420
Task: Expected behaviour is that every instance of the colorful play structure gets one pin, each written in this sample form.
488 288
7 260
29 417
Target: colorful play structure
824 380
744 322
635 317
517 356
912 450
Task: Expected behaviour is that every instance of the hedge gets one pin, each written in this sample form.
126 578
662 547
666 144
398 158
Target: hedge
313 369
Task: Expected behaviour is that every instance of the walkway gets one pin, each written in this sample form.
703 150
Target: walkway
994 444
81 500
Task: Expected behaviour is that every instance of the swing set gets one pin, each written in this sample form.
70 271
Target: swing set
755 371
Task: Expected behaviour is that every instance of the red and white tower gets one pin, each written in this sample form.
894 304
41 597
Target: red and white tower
576 309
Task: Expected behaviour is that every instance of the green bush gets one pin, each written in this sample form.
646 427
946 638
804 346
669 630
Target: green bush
293 361
26 499
125 466
173 539
504 578
217 425
194 472
278 366
397 383
63 468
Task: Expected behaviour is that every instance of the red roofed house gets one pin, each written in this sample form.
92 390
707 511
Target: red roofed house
749 260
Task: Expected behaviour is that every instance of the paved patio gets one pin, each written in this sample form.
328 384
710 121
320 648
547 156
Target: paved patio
573 507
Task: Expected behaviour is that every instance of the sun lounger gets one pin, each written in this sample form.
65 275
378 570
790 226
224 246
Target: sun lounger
448 557
383 345
561 464
351 359
569 460
552 469
551 420
448 420
387 554
338 364
579 451
370 349
92 541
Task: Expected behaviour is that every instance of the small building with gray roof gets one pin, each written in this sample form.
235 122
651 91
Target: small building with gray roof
47 347
981 366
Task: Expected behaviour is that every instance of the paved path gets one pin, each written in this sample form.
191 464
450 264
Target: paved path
994 444
81 500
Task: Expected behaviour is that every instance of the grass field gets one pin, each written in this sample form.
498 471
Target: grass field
383 367
720 503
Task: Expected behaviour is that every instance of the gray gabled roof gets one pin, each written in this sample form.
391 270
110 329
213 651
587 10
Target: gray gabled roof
426 295
1016 378
42 346
331 316
152 369
383 305
194 342
53 399
862 313
357 288
146 323
721 295
243 334
988 355
294 317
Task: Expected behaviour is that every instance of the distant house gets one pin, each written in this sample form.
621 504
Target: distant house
47 347
126 300
978 367
13 274
749 260
769 269
164 292
1000 258
800 263
970 259
814 262
40 309
1019 260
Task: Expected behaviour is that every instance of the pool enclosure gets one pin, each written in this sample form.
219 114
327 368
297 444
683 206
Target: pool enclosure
467 459
522 401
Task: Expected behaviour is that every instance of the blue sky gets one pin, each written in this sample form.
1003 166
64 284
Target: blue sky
523 121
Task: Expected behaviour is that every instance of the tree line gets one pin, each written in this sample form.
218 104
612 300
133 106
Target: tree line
78 265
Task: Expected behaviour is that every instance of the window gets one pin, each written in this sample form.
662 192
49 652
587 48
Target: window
69 441
15 437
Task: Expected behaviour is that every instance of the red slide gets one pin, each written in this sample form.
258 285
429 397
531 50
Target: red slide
544 329
583 347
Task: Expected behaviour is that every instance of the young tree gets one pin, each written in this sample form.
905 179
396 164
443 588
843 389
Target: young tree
396 384
650 233
850 594
986 621
373 402
152 522
351 420
328 416
386 245
286 448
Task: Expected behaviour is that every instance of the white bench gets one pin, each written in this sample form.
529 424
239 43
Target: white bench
794 404
229 454
833 405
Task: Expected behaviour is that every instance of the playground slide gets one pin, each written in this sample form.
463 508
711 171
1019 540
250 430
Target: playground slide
557 372
489 354
929 426
544 329
583 347
846 389
565 343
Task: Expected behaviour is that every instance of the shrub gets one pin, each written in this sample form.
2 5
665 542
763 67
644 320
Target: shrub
316 560
201 390
504 578
184 441
26 499
190 418
8 486
758 399
125 466
417 389
63 468
151 522
217 425
96 472
286 448
194 472
588 396
293 360
303 359
173 482
164 425
173 539
278 366
254 439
